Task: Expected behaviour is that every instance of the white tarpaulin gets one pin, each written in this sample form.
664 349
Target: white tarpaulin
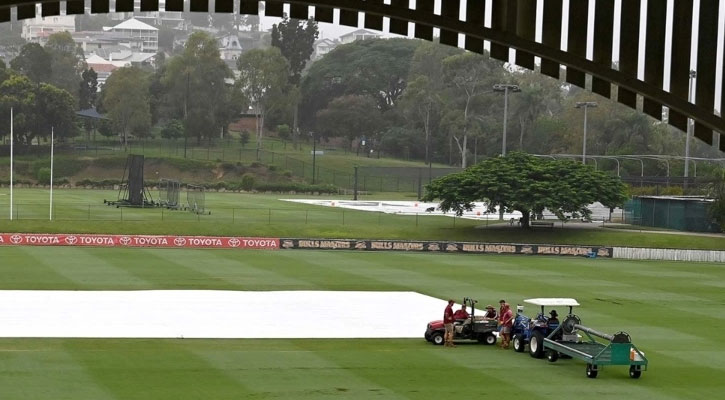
216 314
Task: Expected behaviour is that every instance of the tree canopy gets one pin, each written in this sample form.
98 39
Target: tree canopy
528 184
295 40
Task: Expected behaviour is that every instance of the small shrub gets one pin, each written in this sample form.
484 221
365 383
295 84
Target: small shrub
43 176
248 182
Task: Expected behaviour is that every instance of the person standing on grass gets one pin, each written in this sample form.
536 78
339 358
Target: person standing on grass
506 319
448 323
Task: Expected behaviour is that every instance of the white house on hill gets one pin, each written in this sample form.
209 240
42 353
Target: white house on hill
360 34
136 29
38 29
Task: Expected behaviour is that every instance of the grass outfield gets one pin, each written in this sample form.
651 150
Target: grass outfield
674 312
235 214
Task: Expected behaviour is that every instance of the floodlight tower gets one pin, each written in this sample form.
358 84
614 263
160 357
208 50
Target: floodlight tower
585 105
505 88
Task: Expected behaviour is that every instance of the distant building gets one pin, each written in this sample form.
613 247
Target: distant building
105 61
322 47
171 19
92 41
360 34
230 47
134 29
38 29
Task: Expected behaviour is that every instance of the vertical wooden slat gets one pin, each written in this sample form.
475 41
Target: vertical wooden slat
248 7
680 58
26 11
76 7
374 21
220 6
49 9
654 64
398 26
298 11
199 5
475 14
500 15
324 14
577 38
450 9
603 21
273 8
178 5
121 5
706 63
423 31
526 29
99 7
348 17
629 48
551 35
153 5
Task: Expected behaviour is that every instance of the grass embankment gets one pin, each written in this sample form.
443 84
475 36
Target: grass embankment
235 214
226 160
649 300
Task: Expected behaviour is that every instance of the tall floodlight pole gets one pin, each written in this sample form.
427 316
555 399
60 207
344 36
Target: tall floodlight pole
11 163
505 88
314 156
690 123
52 142
585 105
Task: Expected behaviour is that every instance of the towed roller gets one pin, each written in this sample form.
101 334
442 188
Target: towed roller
618 351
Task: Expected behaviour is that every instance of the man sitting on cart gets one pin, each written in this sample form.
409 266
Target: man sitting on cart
462 318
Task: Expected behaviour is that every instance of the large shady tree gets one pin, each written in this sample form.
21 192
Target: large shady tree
528 184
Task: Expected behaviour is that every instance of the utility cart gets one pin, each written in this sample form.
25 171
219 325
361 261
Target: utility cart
532 331
618 350
473 328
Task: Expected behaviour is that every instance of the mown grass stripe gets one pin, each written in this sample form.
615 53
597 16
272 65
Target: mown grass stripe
154 369
47 373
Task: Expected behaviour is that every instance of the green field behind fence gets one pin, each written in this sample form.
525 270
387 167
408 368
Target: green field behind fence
244 214
673 311
334 166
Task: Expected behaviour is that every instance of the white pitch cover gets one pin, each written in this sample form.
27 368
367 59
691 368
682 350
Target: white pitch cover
216 314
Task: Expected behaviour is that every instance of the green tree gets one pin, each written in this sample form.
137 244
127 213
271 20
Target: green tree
88 89
125 97
34 62
540 96
295 40
36 109
469 76
717 191
55 109
4 73
375 68
196 89
422 101
349 117
525 183
173 129
19 93
263 81
67 62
